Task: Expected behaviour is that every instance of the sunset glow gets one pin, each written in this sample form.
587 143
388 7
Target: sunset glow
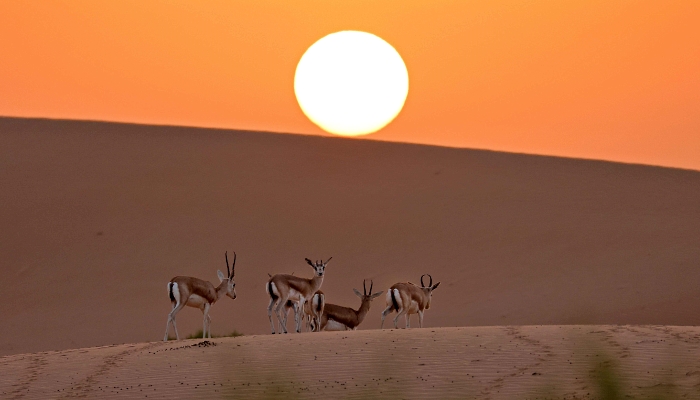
588 79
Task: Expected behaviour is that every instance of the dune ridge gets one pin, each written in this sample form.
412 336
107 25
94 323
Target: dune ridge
506 362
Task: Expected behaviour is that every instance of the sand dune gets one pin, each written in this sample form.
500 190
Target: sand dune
509 362
97 217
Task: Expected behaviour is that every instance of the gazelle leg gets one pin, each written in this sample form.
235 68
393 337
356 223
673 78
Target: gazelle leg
386 312
278 313
177 335
396 320
286 318
209 325
269 314
171 320
167 326
408 320
420 319
205 311
298 317
299 313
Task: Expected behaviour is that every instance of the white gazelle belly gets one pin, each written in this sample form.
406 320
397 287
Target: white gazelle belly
294 295
333 325
196 301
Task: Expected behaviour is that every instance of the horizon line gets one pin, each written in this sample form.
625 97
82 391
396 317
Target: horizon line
332 136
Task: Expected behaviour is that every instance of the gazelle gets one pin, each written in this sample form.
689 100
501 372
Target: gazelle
194 292
339 318
289 305
314 311
408 298
283 288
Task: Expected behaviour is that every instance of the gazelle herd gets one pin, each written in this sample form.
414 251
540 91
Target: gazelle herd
303 297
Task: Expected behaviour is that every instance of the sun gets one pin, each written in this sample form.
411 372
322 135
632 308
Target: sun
351 83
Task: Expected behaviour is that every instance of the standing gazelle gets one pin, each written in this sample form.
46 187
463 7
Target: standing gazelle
339 318
408 298
283 288
194 292
313 310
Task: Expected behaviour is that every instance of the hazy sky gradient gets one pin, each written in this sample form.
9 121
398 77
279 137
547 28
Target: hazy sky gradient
615 80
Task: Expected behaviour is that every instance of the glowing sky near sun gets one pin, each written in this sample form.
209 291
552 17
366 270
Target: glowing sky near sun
595 79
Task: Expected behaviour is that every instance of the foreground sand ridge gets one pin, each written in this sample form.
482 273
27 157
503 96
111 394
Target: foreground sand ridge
504 362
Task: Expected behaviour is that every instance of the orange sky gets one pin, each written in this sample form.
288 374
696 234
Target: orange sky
616 80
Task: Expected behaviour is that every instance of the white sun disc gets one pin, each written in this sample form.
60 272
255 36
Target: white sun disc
351 83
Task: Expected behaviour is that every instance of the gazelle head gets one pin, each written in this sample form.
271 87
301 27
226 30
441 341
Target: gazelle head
231 285
318 266
367 296
428 290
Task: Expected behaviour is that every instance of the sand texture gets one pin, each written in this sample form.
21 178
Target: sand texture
96 218
510 362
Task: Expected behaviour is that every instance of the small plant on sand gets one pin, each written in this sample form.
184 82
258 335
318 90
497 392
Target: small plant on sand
609 384
198 335
235 333
608 381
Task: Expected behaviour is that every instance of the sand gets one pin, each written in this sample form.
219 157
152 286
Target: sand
509 362
96 218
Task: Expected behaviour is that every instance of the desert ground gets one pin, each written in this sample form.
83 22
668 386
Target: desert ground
506 362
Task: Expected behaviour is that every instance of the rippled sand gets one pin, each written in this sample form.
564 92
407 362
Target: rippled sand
505 362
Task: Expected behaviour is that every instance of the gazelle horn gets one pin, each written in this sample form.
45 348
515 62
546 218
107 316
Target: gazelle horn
227 268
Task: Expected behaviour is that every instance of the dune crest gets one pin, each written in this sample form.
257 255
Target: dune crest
467 363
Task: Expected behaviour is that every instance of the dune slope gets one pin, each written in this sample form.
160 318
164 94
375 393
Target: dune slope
97 217
509 362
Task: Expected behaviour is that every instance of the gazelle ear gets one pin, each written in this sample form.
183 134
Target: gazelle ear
310 263
435 286
357 292
220 275
377 294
